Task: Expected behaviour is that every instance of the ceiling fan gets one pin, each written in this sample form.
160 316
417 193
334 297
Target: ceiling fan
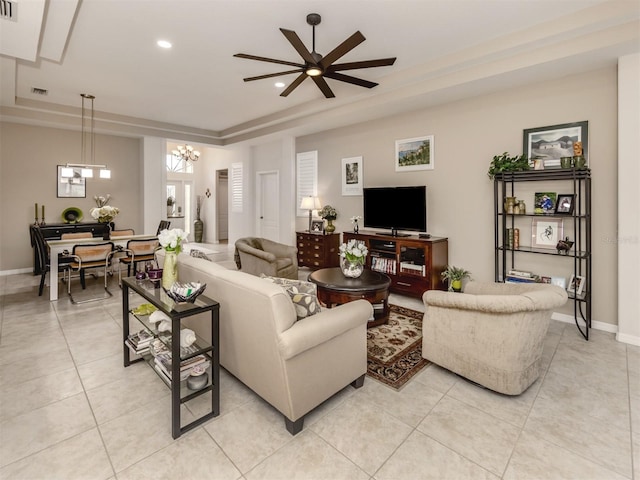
317 66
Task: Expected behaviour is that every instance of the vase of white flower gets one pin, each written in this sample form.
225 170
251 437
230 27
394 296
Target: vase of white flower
354 220
352 258
171 241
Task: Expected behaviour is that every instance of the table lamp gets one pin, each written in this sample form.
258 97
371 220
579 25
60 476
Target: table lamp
310 203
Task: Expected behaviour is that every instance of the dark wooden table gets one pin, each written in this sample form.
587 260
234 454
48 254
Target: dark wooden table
335 289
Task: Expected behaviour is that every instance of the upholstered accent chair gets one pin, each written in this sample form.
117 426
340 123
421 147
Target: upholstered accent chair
262 256
492 334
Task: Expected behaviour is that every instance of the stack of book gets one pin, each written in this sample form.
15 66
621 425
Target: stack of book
513 238
163 365
139 342
412 269
520 276
382 264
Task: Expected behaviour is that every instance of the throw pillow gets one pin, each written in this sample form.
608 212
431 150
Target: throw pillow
199 254
302 294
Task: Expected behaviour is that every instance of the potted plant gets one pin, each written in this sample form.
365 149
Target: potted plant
329 214
170 204
506 163
455 276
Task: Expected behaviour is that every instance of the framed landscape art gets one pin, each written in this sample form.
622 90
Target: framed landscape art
555 141
414 154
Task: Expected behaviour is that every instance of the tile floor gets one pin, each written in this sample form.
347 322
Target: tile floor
69 410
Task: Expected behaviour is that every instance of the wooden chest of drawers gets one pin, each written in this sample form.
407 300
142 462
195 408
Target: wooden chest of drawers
318 251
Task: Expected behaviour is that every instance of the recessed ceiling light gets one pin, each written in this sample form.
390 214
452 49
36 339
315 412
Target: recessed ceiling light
164 44
279 84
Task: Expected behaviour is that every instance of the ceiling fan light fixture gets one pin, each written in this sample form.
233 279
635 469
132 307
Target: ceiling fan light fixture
313 71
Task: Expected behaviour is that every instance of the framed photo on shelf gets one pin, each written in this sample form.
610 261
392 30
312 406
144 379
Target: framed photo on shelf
576 284
564 203
544 202
352 174
414 154
545 232
73 186
317 226
556 141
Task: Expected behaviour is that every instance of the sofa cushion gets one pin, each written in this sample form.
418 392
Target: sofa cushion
302 294
199 254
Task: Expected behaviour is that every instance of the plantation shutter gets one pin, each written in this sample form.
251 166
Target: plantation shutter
236 188
306 178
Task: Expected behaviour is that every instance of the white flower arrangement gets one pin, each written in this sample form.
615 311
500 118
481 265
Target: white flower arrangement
171 240
355 218
355 251
105 214
102 201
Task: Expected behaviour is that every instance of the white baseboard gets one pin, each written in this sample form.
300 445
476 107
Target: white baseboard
630 339
4 273
603 326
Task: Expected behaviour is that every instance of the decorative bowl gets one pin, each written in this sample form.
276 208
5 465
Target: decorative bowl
185 292
154 274
71 215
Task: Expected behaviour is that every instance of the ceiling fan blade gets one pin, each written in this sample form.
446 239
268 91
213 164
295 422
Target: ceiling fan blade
323 86
349 79
269 75
264 59
381 62
350 43
295 41
299 79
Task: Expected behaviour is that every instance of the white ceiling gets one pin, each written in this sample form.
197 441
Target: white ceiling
445 49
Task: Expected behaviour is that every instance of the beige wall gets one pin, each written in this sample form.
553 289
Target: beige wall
29 156
460 195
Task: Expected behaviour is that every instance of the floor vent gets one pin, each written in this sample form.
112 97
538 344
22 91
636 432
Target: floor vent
38 91
8 10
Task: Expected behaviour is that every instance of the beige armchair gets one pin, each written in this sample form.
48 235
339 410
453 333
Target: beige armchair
492 334
259 255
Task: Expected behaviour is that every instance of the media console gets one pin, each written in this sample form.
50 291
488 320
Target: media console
414 264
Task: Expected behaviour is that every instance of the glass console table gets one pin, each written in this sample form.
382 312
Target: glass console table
180 393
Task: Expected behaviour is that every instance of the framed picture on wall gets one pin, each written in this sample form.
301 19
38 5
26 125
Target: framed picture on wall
414 154
71 183
556 141
352 174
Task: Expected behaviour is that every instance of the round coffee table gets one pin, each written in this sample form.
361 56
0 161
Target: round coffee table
335 289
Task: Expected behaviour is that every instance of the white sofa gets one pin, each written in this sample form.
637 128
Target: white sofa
293 365
493 334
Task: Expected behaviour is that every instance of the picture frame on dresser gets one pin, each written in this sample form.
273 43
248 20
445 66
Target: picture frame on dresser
317 227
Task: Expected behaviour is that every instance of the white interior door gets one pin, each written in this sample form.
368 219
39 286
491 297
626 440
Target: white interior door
268 206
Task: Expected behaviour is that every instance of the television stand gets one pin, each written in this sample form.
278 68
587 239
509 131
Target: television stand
414 264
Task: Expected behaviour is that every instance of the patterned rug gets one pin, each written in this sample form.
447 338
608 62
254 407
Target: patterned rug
394 351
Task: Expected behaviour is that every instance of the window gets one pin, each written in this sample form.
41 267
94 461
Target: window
178 165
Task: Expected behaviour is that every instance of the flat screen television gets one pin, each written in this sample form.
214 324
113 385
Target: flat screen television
396 208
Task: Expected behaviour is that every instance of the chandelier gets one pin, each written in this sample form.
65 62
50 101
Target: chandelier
88 148
186 152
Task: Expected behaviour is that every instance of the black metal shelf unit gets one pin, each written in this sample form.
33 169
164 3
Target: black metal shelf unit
580 253
210 348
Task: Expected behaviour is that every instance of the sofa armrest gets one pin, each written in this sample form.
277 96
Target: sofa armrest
261 254
279 249
322 327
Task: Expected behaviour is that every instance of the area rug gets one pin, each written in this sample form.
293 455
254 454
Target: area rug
394 351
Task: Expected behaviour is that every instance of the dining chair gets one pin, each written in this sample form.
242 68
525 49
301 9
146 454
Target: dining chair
42 250
163 225
137 251
68 236
122 233
85 257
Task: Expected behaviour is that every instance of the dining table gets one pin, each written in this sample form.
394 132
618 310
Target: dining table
56 247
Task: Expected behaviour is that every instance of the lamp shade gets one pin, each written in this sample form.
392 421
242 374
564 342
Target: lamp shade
310 203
